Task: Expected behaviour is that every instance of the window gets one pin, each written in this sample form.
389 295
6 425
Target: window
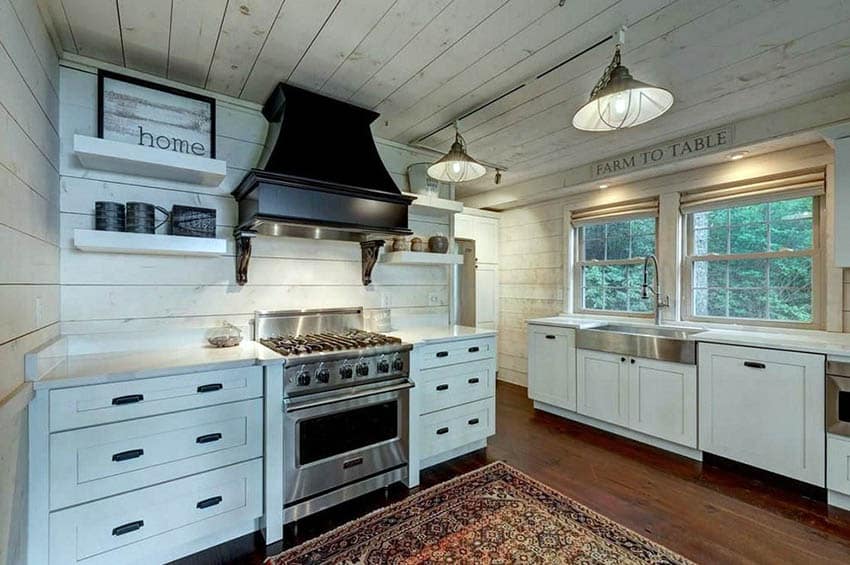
609 269
754 261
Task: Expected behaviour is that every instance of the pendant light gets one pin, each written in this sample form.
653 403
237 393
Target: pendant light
619 101
456 165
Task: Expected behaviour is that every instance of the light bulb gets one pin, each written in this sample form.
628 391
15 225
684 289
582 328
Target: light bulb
455 167
620 105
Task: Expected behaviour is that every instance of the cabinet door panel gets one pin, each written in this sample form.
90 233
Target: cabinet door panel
602 390
552 366
487 240
663 400
764 408
485 294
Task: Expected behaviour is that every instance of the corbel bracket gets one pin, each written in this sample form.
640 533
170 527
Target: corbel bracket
369 256
243 254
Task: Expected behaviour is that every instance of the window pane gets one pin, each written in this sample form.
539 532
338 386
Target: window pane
594 231
713 240
790 304
710 274
747 304
615 275
638 304
748 274
617 230
616 299
748 239
617 248
643 245
593 298
710 302
795 272
792 235
755 213
644 226
784 210
592 276
594 249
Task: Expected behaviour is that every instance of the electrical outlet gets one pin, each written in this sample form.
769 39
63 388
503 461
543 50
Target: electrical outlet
433 299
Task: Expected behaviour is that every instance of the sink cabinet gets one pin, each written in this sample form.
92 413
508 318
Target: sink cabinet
603 388
764 408
552 366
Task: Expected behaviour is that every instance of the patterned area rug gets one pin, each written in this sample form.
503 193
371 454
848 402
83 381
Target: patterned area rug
495 514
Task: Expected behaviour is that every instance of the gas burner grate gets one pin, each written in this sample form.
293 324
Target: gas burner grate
331 341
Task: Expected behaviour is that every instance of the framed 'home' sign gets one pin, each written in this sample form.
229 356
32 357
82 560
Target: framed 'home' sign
136 111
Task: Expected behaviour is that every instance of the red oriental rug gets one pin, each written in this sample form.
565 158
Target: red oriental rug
494 515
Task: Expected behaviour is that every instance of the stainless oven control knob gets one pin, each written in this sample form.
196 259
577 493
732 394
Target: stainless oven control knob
398 364
362 369
303 378
346 372
323 375
383 365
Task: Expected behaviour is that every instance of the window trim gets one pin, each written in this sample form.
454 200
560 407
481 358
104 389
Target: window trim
578 264
815 252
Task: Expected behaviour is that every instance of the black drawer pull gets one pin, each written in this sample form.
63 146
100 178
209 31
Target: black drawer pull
210 388
130 454
754 365
550 336
209 438
208 502
473 381
442 354
442 387
475 349
129 399
473 421
442 431
352 463
622 359
127 528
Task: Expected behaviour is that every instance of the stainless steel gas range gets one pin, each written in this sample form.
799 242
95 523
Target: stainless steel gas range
345 403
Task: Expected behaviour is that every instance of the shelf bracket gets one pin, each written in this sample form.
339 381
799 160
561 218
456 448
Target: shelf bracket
369 256
243 254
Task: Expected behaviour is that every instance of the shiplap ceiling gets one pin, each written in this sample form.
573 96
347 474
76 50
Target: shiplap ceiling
421 63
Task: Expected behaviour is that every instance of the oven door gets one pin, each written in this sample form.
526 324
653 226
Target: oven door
334 441
838 405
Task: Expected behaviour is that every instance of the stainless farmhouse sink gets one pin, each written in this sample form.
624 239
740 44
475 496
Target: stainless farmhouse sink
650 342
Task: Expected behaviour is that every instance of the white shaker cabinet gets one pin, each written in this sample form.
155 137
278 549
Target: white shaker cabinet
552 366
602 388
486 295
764 408
483 227
663 400
484 230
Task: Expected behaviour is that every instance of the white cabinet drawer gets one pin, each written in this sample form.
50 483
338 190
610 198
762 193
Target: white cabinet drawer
838 464
101 461
101 404
139 526
447 429
456 384
453 352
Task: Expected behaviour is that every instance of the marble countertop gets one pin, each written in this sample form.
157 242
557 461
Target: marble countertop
436 334
833 344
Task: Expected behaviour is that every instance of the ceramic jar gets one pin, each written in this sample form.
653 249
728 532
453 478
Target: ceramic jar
438 244
418 244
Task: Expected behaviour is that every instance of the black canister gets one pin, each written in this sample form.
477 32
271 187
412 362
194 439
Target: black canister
108 216
141 217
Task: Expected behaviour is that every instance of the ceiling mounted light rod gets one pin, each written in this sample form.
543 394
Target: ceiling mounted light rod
619 101
456 165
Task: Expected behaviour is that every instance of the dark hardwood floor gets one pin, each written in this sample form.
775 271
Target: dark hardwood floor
710 512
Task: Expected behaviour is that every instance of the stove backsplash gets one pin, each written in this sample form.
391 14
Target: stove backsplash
146 295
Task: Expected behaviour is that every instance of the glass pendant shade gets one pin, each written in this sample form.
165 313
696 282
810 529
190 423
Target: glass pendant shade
456 165
619 101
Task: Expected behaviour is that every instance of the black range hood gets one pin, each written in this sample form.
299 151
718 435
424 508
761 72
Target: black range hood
320 175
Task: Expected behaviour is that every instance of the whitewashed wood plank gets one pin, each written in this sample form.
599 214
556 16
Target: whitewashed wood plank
37 31
243 32
26 308
19 155
95 28
404 21
292 33
195 25
145 33
27 211
25 259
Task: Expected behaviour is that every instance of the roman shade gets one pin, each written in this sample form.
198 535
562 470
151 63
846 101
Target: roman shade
810 183
619 212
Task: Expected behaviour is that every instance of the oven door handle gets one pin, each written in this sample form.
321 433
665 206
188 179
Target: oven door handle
325 401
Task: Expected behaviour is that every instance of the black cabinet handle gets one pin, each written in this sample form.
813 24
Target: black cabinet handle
550 336
127 528
129 399
352 463
130 454
442 387
622 359
442 354
473 381
211 387
475 349
473 421
209 438
206 503
442 431
754 365
633 361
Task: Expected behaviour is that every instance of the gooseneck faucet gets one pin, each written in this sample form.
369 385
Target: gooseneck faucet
646 288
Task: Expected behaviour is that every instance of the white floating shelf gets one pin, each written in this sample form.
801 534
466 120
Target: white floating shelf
146 244
434 206
420 258
139 160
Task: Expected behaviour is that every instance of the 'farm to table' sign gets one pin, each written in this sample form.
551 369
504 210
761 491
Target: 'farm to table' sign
696 145
143 113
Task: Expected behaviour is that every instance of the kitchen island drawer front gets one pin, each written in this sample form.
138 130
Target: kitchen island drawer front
763 407
457 384
458 351
102 404
137 526
451 428
101 461
838 464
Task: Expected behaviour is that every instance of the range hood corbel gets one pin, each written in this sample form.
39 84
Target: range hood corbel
369 251
243 254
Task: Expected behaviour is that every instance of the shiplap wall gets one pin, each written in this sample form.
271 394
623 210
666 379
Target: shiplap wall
29 236
103 293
